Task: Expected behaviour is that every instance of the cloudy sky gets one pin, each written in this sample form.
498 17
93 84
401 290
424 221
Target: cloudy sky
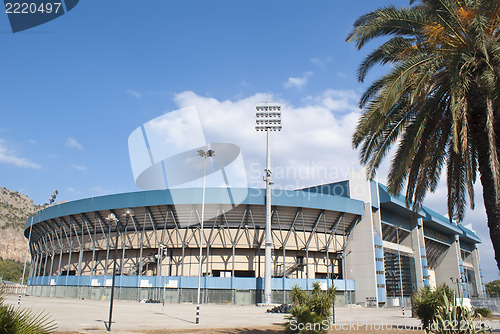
74 89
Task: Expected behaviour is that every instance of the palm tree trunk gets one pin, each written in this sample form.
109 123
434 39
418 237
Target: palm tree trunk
482 125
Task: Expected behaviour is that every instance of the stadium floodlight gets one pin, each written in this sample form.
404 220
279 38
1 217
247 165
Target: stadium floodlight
112 219
268 118
204 155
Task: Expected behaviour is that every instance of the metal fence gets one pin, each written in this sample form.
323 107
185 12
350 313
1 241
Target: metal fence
490 303
13 289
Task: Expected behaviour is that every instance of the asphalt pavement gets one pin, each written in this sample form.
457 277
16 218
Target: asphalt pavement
91 316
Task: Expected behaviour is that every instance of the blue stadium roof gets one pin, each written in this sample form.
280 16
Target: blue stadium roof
295 198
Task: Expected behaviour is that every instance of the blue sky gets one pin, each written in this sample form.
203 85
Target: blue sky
73 90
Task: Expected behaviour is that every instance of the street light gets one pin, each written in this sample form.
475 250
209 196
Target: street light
457 281
400 273
204 155
111 218
268 118
161 253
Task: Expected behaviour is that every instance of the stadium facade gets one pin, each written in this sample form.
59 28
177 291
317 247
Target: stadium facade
350 234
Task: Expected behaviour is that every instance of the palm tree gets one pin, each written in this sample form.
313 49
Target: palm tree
16 320
439 102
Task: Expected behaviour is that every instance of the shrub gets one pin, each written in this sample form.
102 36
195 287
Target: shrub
311 311
15 320
451 318
483 311
426 302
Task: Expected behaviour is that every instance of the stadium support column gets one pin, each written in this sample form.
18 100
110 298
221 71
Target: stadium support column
419 253
449 267
364 243
477 272
268 118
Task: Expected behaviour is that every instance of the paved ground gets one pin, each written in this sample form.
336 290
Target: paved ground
89 316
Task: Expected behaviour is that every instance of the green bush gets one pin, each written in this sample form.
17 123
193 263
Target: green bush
483 311
426 302
311 311
451 318
11 270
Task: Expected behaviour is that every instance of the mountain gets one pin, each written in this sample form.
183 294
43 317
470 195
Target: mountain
15 208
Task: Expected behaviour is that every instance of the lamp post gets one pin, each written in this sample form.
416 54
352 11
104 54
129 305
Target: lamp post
204 155
457 281
400 272
161 252
268 118
111 218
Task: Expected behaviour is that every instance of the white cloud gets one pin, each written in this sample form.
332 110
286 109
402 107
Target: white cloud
79 167
134 93
9 157
73 143
320 61
313 147
298 82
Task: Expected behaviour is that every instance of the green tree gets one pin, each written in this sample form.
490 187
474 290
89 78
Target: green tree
493 288
11 270
439 101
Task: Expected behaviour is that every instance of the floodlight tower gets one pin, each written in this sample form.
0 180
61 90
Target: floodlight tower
204 155
268 118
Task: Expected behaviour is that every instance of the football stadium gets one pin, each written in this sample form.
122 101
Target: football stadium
351 234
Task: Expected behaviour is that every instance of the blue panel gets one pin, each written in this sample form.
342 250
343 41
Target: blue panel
379 253
425 272
423 252
374 194
246 283
218 282
84 280
191 282
426 282
381 295
424 262
337 189
350 284
380 279
379 266
377 240
291 282
71 280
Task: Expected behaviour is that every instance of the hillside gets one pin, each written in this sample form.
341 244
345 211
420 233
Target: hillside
15 208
